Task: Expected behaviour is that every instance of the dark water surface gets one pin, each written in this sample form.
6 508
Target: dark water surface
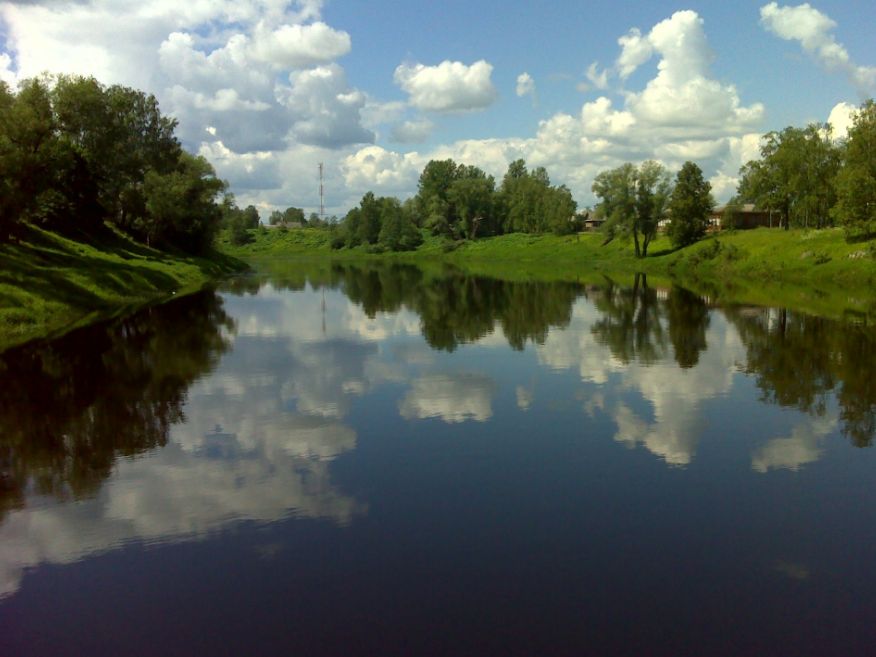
386 461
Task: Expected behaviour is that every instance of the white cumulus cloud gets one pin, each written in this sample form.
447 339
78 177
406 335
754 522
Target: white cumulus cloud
813 30
412 132
298 46
525 86
449 87
841 119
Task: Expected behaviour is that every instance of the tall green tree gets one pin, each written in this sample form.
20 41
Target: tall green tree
181 208
397 231
121 134
28 151
795 176
855 209
251 216
690 206
433 190
371 210
528 203
471 198
633 201
294 216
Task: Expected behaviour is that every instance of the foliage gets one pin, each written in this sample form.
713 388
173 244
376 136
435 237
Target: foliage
530 204
74 153
855 210
690 206
397 232
238 234
795 176
180 205
634 200
379 224
461 202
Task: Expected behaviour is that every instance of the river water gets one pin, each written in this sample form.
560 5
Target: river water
385 460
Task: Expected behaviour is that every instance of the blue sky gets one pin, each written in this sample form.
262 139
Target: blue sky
266 89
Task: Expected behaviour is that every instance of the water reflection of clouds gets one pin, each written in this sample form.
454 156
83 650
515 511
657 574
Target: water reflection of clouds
184 494
453 397
674 395
575 347
281 400
801 447
259 437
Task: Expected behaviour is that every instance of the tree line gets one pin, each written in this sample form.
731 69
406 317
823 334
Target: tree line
75 153
812 180
459 201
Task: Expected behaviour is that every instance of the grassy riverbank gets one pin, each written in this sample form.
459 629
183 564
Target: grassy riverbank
807 270
49 283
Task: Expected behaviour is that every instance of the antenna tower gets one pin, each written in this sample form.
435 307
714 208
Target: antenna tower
321 197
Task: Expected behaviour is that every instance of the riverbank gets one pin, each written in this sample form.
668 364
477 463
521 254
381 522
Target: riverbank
49 283
815 271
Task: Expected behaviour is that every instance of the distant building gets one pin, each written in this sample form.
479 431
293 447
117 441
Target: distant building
741 217
591 220
287 224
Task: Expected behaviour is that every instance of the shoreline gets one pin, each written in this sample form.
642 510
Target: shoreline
50 284
807 270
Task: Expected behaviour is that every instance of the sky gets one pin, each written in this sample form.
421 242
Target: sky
268 89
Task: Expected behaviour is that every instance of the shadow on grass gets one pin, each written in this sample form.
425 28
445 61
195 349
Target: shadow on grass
54 269
663 252
860 239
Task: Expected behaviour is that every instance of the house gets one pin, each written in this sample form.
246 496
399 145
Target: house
741 217
592 221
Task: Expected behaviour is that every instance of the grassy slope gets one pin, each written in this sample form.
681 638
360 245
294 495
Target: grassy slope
48 282
808 270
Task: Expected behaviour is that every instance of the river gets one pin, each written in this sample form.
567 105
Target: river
341 459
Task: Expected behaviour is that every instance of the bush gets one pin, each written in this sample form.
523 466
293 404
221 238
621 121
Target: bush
820 257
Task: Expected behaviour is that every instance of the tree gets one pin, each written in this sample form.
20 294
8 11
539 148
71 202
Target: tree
275 218
795 176
634 199
528 203
181 205
28 147
294 216
471 198
689 206
397 232
855 209
370 215
433 204
238 233
121 134
251 217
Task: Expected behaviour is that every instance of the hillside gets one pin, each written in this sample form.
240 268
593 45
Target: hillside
49 283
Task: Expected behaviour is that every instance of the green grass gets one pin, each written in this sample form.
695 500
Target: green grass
275 242
807 270
49 283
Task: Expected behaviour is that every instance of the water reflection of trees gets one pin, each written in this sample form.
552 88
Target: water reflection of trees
639 322
456 307
800 361
70 407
